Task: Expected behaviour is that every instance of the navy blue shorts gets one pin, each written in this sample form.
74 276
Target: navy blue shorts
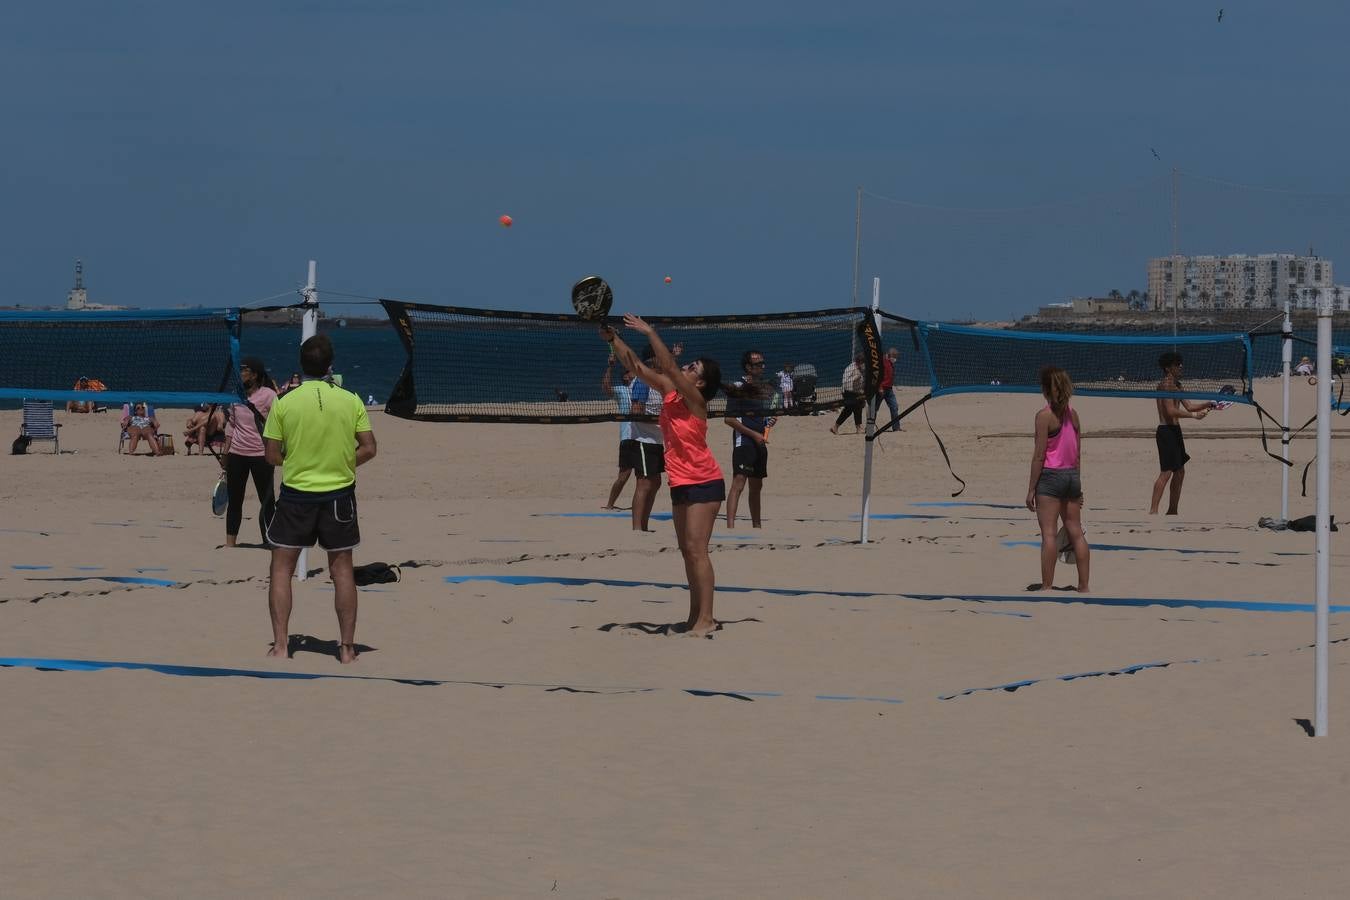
707 492
751 459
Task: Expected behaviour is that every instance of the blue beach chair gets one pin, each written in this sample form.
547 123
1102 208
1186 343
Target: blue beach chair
39 424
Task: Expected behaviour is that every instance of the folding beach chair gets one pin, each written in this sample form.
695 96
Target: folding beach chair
126 411
38 423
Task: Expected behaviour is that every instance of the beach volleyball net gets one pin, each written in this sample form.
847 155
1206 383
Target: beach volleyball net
480 365
168 357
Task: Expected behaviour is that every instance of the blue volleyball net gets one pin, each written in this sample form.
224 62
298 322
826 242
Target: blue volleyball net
481 365
165 357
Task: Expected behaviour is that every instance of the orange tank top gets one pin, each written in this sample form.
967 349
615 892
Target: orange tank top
688 459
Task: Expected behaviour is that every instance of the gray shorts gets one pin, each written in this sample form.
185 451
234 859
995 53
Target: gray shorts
1062 484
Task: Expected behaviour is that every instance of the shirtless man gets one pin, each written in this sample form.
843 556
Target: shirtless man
1172 454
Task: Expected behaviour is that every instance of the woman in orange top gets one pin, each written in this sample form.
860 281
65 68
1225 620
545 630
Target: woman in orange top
696 486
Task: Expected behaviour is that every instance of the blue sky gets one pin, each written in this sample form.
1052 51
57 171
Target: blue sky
195 153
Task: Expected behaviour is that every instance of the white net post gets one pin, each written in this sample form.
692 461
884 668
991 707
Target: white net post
1323 513
1286 356
872 405
309 326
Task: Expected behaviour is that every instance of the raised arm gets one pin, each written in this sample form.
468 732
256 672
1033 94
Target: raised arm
671 373
629 360
606 381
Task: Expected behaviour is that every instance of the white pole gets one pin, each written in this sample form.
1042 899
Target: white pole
872 405
309 326
1323 513
1287 355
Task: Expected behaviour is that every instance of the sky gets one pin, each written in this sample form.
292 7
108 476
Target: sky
197 153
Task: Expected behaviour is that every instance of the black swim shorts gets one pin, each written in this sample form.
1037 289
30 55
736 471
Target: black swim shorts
751 459
707 492
628 453
301 519
1172 455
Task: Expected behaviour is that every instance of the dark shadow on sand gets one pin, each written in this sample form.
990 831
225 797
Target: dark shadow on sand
670 628
1306 725
305 643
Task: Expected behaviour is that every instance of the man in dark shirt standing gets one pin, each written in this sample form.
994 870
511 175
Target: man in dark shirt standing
750 436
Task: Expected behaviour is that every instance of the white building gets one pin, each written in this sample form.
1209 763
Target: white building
78 298
1240 281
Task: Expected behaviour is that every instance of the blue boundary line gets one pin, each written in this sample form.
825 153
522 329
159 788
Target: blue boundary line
1027 682
87 665
1062 598
1128 547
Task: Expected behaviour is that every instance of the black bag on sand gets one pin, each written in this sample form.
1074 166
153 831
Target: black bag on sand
20 445
376 573
1309 523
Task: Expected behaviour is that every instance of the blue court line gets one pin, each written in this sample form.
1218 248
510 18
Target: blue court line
616 582
1127 547
30 568
1014 685
969 503
87 665
116 579
659 517
1064 597
88 568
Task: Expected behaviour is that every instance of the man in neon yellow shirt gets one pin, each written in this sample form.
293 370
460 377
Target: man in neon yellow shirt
319 434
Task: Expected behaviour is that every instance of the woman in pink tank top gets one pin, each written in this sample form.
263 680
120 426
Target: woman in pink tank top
696 486
1055 492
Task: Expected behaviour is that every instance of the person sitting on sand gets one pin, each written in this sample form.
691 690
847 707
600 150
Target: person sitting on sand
85 383
1055 492
205 426
139 422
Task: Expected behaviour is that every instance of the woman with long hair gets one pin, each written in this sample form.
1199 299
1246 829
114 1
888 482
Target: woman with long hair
696 486
1055 492
244 455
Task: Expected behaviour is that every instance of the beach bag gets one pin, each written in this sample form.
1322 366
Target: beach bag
376 573
166 444
20 445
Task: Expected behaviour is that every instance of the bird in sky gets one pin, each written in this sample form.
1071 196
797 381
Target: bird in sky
1155 155
1220 13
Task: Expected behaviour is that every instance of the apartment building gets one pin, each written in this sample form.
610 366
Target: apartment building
1242 282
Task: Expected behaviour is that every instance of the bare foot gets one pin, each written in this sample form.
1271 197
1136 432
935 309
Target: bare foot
1082 589
701 628
834 429
279 652
1039 587
347 653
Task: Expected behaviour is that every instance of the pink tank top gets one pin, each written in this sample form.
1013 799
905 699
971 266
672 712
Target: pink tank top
688 459
1061 450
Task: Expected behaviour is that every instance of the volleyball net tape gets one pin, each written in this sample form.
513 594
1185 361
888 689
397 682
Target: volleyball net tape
165 357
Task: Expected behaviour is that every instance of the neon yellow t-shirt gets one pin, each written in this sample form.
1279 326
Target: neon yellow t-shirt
317 423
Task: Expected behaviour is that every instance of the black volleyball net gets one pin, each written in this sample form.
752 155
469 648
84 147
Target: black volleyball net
480 365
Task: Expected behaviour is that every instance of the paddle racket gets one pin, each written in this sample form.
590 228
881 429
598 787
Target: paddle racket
592 298
220 497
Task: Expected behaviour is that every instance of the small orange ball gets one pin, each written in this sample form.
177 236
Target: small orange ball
506 221
667 279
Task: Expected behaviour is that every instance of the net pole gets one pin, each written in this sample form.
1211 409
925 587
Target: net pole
1323 514
873 402
1286 357
1176 247
309 327
857 244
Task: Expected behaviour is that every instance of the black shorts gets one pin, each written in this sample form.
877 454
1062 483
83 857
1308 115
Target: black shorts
751 459
648 460
300 522
707 492
1172 455
1061 484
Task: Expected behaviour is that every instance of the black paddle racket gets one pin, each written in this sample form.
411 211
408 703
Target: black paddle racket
592 298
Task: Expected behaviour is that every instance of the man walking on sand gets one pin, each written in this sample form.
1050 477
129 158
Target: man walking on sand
1172 454
319 433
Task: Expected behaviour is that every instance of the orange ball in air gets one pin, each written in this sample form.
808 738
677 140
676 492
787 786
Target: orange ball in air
506 221
667 279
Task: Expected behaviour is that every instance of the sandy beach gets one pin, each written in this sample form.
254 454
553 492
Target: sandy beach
517 725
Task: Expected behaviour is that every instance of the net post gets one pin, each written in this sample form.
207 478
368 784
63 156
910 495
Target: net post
873 402
1323 513
1286 356
309 327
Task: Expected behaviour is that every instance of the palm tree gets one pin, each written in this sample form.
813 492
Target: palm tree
1114 294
